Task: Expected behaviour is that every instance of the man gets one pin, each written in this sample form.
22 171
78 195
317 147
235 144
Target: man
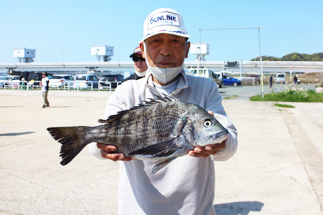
45 87
186 185
270 81
139 64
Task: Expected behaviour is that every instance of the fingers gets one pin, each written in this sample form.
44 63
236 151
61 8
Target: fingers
204 152
107 151
211 112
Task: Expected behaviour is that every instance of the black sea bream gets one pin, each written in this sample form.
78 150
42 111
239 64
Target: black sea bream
159 130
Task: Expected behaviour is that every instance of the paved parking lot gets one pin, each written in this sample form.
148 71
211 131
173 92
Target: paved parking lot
278 168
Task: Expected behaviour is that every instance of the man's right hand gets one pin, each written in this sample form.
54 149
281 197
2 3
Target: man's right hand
106 153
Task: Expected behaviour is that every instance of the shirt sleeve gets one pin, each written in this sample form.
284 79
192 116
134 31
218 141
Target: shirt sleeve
214 103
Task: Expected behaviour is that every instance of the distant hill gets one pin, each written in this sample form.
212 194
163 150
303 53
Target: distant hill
293 57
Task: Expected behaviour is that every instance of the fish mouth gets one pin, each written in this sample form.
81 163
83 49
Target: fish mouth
223 134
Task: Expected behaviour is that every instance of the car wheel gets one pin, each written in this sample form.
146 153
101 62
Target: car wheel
235 84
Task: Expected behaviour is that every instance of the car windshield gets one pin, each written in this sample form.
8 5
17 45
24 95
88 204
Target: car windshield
68 77
56 77
280 75
111 78
80 78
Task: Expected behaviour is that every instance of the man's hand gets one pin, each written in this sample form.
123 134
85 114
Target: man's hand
106 153
204 152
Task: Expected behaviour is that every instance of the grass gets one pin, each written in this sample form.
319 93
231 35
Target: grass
291 96
284 106
230 97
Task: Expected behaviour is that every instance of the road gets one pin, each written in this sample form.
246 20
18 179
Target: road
278 168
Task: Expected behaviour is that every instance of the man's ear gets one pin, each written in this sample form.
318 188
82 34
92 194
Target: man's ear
142 49
188 45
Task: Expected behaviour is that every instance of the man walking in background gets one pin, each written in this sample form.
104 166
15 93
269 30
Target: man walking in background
139 64
44 88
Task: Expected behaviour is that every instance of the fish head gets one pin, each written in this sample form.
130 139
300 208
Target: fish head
208 130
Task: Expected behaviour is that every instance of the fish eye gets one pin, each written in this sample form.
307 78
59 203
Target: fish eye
207 123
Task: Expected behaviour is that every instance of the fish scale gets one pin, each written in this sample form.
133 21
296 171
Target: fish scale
159 130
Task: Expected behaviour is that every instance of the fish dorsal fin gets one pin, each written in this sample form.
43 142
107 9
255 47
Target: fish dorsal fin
160 99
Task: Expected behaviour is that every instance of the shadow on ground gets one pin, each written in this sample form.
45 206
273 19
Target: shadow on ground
16 134
9 106
238 208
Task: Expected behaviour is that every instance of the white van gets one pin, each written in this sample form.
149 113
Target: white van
280 78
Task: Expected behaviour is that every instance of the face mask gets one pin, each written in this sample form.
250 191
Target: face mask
164 75
140 74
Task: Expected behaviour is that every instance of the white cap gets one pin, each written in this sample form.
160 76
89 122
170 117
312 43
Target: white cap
164 21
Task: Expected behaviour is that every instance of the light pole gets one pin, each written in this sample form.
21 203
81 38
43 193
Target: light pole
260 58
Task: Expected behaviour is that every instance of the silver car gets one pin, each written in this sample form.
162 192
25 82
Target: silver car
60 80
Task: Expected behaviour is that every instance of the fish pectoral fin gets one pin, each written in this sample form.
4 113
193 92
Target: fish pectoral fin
162 149
160 164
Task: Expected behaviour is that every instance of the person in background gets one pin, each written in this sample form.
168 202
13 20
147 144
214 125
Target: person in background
45 87
22 81
139 64
295 79
187 184
270 81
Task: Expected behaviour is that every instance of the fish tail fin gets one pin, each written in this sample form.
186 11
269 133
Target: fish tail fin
72 140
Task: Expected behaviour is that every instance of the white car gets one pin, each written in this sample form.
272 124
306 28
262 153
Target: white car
3 81
9 81
280 78
84 81
60 80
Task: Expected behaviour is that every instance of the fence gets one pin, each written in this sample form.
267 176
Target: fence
68 85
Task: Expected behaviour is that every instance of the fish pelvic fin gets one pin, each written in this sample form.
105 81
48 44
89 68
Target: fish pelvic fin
71 139
160 164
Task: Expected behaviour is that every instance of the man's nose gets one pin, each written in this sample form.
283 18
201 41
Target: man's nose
165 49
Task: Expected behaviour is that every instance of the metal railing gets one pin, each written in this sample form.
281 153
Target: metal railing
68 85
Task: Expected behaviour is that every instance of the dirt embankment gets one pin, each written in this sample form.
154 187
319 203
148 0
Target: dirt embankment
311 78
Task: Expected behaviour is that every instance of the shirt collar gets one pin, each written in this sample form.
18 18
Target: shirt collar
182 82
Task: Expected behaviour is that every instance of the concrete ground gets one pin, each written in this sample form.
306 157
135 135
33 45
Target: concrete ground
278 168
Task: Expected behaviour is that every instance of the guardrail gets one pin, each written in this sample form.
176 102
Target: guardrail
68 85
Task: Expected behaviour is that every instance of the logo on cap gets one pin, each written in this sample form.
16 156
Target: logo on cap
163 18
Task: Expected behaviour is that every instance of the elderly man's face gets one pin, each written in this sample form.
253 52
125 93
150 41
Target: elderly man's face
165 50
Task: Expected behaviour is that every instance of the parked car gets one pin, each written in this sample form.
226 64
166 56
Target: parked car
60 80
84 81
228 80
14 81
113 79
3 81
217 77
280 78
9 81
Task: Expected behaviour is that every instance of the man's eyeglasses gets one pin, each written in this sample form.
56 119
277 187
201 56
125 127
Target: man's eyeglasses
135 59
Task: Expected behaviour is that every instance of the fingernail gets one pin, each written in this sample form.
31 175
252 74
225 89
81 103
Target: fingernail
209 148
192 153
121 157
197 150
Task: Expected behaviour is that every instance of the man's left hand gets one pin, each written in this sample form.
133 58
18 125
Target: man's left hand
204 152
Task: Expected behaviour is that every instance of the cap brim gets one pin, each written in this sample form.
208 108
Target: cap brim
133 54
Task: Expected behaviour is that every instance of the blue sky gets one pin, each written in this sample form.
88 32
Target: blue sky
65 29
